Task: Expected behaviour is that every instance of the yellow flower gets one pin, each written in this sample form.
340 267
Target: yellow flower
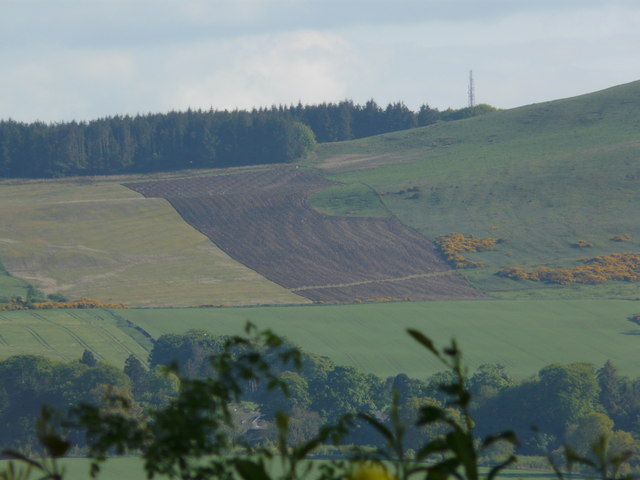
370 471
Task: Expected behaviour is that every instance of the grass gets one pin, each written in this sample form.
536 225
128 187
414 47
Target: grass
131 468
64 334
353 200
542 177
11 286
523 335
101 240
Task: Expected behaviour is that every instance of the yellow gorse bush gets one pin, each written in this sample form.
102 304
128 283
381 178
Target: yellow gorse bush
452 244
621 238
617 266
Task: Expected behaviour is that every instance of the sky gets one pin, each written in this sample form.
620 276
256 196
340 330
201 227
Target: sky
83 59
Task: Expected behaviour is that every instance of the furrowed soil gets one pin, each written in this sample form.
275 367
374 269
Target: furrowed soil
263 220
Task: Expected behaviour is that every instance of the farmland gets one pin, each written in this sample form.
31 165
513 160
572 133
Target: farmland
262 220
524 335
542 177
98 239
65 334
131 468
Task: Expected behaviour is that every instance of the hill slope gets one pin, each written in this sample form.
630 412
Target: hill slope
98 239
541 176
262 220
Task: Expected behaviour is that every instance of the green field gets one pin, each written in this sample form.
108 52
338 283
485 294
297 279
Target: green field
349 200
101 240
524 335
65 334
541 177
11 286
131 468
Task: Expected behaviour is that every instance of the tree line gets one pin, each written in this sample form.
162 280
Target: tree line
198 138
573 403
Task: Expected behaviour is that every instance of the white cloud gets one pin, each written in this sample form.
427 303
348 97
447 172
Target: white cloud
79 60
265 70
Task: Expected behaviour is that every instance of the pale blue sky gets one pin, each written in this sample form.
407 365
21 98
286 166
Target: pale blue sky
82 59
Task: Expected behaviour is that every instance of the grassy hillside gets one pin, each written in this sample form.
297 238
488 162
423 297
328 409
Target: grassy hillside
542 177
101 240
65 334
523 335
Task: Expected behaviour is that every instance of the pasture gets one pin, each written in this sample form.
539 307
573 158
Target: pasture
541 177
523 335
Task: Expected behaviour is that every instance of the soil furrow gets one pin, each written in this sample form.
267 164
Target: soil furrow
262 220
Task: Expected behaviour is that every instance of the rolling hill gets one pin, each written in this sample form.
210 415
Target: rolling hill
542 177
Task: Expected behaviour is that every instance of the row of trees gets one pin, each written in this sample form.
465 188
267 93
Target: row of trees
197 138
574 403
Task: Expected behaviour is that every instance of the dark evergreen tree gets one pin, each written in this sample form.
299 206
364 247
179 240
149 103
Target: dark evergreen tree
138 374
198 139
88 358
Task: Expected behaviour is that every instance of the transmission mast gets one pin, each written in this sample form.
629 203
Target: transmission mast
472 100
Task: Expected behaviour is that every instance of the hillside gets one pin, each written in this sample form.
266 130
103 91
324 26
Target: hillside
542 177
263 220
98 239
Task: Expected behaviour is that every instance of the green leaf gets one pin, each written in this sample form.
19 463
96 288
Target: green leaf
501 466
56 446
504 436
424 341
250 470
430 414
434 446
18 456
383 430
444 469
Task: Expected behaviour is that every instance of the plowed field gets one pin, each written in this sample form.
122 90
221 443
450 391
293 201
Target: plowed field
262 220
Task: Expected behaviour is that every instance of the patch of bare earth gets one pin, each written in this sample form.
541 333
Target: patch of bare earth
346 160
263 220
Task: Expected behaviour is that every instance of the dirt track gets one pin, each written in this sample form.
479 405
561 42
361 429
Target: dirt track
262 220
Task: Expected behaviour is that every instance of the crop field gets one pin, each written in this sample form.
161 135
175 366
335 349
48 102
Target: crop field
542 177
131 468
101 240
262 220
524 335
65 334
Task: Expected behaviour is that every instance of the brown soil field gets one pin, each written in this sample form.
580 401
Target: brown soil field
263 220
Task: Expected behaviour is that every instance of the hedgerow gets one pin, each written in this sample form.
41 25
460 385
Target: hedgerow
452 244
616 266
18 303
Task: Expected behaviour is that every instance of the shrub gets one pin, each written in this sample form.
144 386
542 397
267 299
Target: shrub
582 244
617 266
621 238
452 244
